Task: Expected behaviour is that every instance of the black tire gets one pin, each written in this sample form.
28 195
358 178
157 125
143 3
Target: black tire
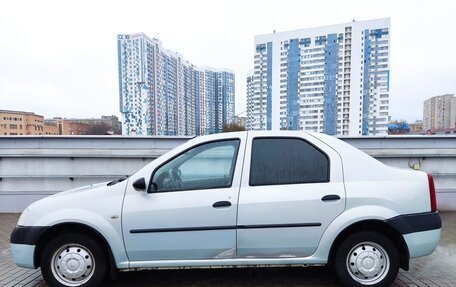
375 245
72 242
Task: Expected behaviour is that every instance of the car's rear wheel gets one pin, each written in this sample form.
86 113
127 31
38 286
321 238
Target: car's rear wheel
73 259
366 259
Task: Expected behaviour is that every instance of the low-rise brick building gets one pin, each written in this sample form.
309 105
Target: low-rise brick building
28 123
23 123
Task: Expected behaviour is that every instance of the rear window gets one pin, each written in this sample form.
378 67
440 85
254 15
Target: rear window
287 161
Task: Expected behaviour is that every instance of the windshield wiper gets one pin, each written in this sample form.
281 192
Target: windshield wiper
118 180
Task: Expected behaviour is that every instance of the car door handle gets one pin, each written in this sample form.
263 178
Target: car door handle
221 204
331 197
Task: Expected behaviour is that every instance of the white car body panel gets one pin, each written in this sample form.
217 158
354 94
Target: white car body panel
186 209
368 181
287 204
83 206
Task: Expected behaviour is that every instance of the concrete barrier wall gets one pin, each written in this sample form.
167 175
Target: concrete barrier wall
33 167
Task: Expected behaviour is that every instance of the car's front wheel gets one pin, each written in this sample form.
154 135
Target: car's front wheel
73 259
366 259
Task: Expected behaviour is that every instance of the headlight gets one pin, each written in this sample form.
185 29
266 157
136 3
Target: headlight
23 217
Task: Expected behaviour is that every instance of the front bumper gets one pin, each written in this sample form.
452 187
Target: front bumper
23 241
23 255
421 232
27 234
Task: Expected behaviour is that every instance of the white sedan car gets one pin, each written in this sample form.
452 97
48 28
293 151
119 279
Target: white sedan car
238 199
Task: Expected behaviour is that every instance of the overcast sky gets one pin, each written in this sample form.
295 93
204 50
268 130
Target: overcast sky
59 58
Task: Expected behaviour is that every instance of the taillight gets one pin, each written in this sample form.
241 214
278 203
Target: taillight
432 192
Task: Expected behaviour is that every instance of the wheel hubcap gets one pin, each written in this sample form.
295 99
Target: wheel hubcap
73 264
368 263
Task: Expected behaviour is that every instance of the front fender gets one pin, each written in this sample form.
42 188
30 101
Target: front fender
109 228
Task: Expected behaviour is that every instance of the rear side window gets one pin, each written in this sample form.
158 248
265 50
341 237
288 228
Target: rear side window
286 161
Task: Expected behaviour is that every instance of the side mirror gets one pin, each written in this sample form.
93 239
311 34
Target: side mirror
139 184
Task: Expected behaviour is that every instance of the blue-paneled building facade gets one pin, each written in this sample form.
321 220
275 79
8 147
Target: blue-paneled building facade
162 94
332 79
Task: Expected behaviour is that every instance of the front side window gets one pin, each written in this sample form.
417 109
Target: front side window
286 161
206 166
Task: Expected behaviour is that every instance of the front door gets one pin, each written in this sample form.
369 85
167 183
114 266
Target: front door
190 212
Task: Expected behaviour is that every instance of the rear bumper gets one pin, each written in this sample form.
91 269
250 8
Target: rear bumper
411 223
421 232
422 243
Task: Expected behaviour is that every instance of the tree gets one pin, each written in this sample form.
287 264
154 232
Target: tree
233 128
99 129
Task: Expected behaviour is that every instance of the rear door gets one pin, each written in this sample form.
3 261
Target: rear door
292 189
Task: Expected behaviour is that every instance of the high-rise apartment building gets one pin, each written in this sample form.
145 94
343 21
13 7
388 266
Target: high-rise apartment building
439 113
332 79
250 90
162 94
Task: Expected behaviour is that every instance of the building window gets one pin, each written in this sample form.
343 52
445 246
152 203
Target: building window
13 127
